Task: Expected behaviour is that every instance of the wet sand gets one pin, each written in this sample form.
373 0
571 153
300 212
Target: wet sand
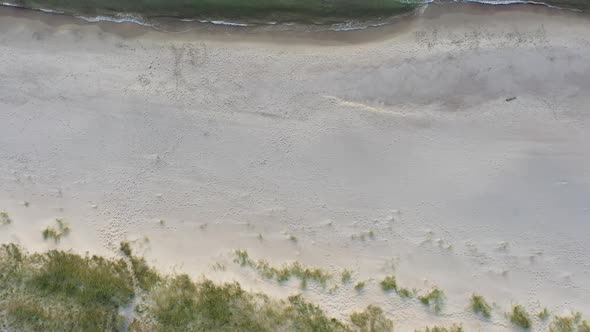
460 138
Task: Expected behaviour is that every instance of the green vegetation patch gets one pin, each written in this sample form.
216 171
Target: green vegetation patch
371 320
5 218
61 291
284 273
543 314
389 283
572 323
346 276
435 299
56 233
520 317
180 304
452 328
363 236
359 286
406 293
480 306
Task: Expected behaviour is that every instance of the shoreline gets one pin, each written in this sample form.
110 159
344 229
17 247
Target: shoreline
298 34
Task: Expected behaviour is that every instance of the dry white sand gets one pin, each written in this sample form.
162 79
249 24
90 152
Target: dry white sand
229 135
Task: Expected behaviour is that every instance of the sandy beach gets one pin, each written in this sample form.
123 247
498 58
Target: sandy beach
451 148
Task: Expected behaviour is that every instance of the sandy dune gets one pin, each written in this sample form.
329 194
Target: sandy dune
225 135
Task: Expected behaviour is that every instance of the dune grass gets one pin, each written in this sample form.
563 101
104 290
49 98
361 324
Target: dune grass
435 299
359 286
5 218
363 236
125 248
520 317
452 328
571 323
389 283
543 314
371 320
346 276
61 291
56 233
406 293
480 306
285 272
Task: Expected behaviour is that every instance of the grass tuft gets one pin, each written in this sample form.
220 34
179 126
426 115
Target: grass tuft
363 236
480 306
125 248
284 273
571 323
520 317
60 291
406 293
359 286
543 314
346 276
4 218
371 319
435 299
63 229
452 328
389 283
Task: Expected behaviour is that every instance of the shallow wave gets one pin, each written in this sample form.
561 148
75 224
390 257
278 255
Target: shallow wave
123 18
344 25
519 2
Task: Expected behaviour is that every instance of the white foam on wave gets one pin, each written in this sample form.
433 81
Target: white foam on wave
215 22
518 2
229 23
51 11
115 19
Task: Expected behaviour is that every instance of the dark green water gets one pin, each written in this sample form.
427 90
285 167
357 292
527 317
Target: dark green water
316 11
280 10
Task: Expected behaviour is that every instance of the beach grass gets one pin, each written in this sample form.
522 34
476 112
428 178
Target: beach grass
346 276
359 286
125 248
435 299
5 218
285 272
520 317
388 283
405 292
480 306
56 233
543 314
452 328
570 323
371 319
363 236
61 291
